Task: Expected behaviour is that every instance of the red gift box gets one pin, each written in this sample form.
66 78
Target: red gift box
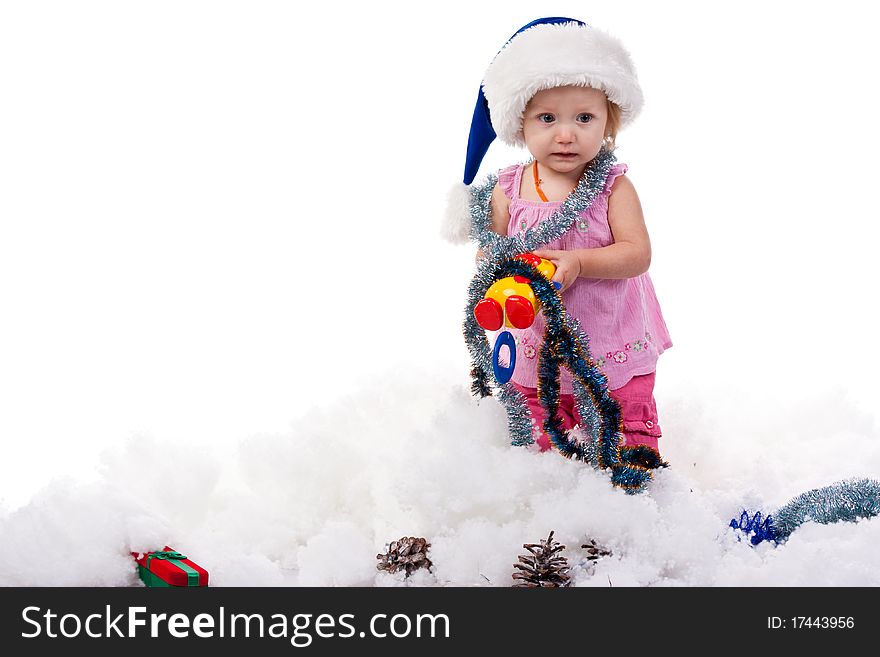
169 568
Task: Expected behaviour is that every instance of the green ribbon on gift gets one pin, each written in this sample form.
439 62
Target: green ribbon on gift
192 575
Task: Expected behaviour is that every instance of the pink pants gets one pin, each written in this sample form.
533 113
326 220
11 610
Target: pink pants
637 405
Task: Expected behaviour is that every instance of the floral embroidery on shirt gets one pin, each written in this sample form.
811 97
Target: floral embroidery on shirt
528 349
620 356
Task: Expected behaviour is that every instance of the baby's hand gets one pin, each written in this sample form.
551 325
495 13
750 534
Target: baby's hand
568 265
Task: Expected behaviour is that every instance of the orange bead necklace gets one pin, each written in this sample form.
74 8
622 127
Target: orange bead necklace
538 182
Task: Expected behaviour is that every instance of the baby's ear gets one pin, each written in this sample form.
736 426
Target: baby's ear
456 226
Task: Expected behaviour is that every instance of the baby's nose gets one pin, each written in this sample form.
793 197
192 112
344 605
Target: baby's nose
564 134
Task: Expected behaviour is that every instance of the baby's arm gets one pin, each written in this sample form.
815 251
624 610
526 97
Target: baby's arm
500 213
629 256
500 206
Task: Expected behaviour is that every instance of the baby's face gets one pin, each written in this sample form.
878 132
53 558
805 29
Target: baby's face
564 127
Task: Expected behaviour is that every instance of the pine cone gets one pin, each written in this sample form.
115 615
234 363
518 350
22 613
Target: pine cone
595 551
543 568
406 553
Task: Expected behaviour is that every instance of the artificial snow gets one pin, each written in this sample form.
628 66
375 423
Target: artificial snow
418 456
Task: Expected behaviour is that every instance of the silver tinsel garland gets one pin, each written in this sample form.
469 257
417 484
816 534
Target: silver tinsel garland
845 500
497 246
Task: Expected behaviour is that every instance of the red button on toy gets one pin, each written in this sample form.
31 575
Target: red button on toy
489 314
519 311
529 258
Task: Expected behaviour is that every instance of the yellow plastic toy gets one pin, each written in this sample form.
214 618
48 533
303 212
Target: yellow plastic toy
510 301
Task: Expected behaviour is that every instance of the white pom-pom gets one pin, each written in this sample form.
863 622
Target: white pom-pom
456 226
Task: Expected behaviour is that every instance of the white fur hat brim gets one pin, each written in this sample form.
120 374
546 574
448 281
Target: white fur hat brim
455 227
557 55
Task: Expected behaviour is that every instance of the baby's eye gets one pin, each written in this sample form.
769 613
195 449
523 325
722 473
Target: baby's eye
546 118
584 118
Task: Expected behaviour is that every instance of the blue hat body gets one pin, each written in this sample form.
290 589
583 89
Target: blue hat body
482 133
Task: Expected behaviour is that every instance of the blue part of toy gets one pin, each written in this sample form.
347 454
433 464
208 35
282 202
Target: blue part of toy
557 285
503 374
762 527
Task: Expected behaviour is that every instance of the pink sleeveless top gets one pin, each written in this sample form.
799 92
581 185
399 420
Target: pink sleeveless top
621 316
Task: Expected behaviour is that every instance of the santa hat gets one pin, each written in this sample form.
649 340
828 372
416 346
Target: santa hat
546 53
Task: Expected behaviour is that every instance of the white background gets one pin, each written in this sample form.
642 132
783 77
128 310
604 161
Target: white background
215 216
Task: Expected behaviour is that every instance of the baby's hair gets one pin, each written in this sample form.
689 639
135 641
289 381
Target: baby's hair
612 125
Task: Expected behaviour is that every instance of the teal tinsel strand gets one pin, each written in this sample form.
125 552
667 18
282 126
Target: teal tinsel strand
548 395
589 413
518 419
564 344
480 386
585 400
632 478
609 410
